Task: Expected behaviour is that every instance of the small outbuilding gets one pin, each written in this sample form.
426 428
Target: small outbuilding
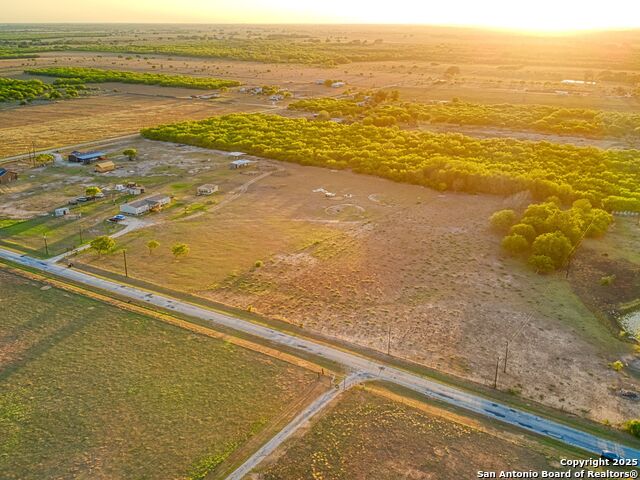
239 164
104 167
62 211
207 189
86 157
7 176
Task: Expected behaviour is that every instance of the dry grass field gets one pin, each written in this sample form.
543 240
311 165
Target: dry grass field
91 391
378 256
365 435
94 118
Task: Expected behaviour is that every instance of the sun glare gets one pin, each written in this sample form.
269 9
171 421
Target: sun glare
539 16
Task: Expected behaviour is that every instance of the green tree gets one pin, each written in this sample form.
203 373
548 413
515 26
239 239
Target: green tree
152 245
44 159
130 153
515 244
541 263
103 244
503 220
633 427
92 191
180 250
553 245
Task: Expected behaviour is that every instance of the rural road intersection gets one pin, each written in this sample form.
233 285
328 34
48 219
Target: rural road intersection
360 366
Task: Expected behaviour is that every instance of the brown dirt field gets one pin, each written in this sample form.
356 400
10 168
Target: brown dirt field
364 435
94 118
382 255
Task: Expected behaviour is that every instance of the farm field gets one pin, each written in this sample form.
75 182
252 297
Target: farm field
463 200
55 125
366 435
89 390
380 254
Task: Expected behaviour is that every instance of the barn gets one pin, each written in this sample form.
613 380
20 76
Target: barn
86 157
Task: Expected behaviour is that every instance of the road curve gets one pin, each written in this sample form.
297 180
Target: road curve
378 370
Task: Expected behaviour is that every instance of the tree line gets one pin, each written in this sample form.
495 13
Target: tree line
607 178
13 89
537 118
97 75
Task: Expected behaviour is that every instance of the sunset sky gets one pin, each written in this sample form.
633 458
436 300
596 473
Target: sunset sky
542 15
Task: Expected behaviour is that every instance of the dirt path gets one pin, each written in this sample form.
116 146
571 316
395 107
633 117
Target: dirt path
299 421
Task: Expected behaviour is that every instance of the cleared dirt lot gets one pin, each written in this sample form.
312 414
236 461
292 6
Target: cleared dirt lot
381 257
365 435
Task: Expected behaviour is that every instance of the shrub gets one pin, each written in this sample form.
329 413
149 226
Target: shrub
617 365
501 221
515 244
527 231
633 427
180 250
542 263
554 245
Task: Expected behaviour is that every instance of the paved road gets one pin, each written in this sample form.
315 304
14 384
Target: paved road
301 419
351 361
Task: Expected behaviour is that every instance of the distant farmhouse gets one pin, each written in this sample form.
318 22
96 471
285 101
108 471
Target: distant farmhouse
87 157
7 176
144 205
239 164
207 189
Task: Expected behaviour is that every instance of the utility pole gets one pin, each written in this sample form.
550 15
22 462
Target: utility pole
46 245
81 242
124 256
506 355
389 342
495 380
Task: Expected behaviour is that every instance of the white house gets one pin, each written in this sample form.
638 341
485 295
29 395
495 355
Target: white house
138 207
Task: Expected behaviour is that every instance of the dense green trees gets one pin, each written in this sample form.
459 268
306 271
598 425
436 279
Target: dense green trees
97 75
538 118
440 161
550 234
12 89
